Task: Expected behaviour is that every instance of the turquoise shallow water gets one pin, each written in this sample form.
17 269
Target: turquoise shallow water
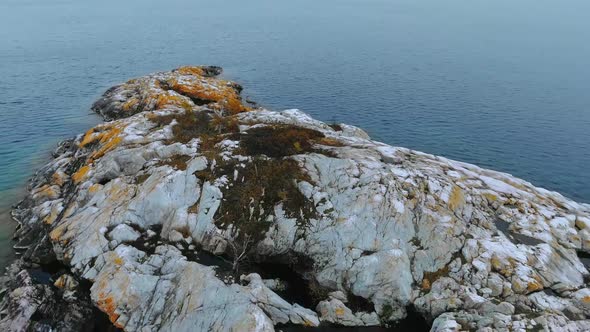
502 84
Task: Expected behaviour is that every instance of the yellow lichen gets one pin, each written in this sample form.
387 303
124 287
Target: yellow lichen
339 311
94 188
456 198
586 299
52 216
118 261
490 197
80 174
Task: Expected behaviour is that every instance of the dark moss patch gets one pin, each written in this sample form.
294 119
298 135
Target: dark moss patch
177 161
260 186
279 140
141 178
196 124
335 126
359 303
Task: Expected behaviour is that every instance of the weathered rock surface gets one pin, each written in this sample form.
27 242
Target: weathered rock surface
136 206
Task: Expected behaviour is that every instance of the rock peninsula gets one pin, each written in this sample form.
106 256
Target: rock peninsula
190 209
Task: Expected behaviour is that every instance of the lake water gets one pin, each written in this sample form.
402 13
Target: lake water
503 84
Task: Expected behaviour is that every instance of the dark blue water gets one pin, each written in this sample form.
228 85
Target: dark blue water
503 84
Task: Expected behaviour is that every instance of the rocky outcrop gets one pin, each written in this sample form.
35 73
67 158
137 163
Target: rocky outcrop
180 210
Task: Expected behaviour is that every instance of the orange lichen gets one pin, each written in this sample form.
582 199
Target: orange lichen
221 94
57 233
586 299
339 311
59 178
52 216
330 142
109 139
107 305
190 70
80 174
534 285
456 199
130 104
425 284
46 191
164 100
88 138
108 135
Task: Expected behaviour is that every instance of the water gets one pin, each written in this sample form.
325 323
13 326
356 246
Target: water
502 84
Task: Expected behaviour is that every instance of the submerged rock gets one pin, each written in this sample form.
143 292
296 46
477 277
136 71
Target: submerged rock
184 169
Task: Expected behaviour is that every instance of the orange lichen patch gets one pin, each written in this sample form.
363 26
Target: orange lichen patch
52 216
534 285
80 174
108 306
46 191
456 199
109 139
56 234
339 311
94 188
60 282
190 70
118 261
586 299
108 135
220 92
59 178
166 99
130 104
330 142
425 284
89 137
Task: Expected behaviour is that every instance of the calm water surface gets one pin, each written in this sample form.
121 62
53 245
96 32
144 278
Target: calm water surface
502 84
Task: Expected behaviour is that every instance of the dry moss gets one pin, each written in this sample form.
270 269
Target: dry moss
261 185
430 277
279 140
177 161
199 124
